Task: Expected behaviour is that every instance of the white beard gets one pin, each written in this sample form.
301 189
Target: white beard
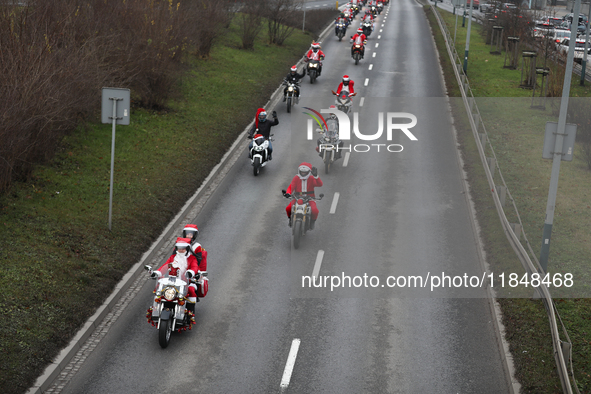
180 261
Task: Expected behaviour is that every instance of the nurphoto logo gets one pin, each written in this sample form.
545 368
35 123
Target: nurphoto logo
344 129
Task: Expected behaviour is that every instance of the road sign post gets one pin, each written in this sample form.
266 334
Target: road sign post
115 110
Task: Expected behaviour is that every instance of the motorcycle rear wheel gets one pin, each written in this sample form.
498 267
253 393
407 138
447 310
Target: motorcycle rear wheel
297 233
164 333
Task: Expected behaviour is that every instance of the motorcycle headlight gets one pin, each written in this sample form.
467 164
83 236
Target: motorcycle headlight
170 293
258 148
326 138
357 46
312 64
290 89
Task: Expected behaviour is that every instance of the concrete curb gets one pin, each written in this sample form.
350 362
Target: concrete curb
53 370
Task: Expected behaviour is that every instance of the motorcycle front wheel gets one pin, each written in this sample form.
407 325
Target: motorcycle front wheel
326 165
312 76
256 166
164 333
288 104
297 233
356 57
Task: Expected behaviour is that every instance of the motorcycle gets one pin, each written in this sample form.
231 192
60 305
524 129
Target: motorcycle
367 28
340 30
301 215
292 96
329 145
357 50
374 10
259 153
343 100
169 312
380 8
313 67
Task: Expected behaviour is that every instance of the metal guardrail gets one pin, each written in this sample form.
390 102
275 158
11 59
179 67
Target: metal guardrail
562 349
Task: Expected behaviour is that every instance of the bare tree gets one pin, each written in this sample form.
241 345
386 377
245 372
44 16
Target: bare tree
279 14
250 21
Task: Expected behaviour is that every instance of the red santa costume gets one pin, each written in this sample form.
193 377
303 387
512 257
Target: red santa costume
315 53
304 182
347 83
184 265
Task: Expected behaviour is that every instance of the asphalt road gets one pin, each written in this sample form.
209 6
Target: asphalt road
397 214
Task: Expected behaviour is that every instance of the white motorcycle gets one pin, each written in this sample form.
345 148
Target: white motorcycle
259 153
169 312
343 100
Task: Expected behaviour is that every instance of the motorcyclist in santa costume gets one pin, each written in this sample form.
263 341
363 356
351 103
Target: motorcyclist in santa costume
347 84
191 231
315 53
304 183
185 266
359 39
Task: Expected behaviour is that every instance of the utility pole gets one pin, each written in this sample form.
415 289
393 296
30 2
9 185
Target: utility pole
558 145
468 37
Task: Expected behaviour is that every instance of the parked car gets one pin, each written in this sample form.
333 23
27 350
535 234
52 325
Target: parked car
543 29
553 20
508 7
560 34
579 48
582 18
486 7
475 3
581 29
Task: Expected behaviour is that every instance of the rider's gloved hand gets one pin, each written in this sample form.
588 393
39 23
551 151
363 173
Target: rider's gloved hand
314 172
274 113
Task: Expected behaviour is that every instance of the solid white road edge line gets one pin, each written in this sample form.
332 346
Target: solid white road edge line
335 201
291 358
346 161
318 263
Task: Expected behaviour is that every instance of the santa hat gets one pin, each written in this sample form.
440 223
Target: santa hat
191 227
304 167
345 78
256 119
182 242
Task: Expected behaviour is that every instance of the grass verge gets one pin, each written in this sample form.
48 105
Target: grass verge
59 260
518 147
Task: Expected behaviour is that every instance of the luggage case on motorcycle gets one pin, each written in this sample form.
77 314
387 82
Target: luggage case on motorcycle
203 289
